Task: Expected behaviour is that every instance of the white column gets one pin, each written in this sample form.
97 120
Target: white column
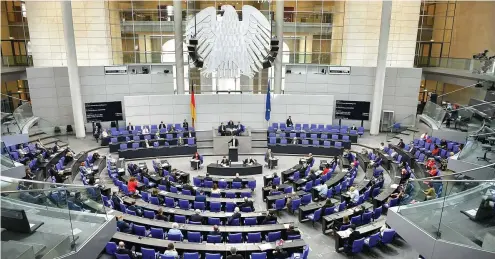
279 25
75 86
179 53
381 67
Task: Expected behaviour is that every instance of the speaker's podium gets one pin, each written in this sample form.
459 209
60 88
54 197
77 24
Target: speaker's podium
233 154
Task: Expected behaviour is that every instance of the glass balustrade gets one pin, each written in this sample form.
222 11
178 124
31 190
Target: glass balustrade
458 211
15 61
70 214
434 111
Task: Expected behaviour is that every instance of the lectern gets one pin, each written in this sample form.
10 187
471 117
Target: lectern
233 154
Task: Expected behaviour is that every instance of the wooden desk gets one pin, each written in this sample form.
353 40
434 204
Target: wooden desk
364 230
328 220
270 200
310 208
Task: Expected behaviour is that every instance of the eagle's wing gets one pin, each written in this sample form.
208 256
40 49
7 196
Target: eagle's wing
202 27
256 37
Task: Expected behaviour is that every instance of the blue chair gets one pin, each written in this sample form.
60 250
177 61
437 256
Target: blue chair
252 185
296 203
194 237
258 255
235 238
214 221
230 195
254 237
250 221
357 246
230 206
293 237
180 219
213 256
236 185
279 204
222 184
328 211
199 205
276 181
186 192
235 222
147 253
388 236
110 248
366 218
356 220
145 196
191 255
306 199
154 201
139 230
372 240
215 206
157 233
288 189
377 213
342 206
122 256
169 202
149 214
314 217
214 239
273 236
344 227
184 204
175 237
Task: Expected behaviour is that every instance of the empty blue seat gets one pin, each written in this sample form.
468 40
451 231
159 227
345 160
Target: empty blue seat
254 237
235 238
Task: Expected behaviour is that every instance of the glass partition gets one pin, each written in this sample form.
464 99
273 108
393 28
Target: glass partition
23 114
434 111
69 214
458 211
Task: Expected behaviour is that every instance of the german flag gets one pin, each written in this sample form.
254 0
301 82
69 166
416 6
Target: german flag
193 107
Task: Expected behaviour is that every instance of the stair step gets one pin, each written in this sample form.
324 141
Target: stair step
413 130
36 133
39 136
402 133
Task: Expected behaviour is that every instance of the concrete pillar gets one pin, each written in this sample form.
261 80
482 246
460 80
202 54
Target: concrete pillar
179 53
381 67
279 25
75 85
144 43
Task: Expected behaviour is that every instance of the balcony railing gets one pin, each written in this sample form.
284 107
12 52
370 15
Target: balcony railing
475 66
17 61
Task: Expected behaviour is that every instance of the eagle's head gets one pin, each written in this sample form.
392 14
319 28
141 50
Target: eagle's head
228 11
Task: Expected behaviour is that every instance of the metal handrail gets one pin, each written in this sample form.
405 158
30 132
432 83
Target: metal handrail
401 120
17 181
10 96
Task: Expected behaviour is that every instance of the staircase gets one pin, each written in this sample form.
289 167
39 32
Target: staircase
259 141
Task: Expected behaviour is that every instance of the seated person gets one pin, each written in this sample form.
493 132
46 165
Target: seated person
215 232
292 231
274 190
312 176
279 253
234 254
247 204
326 170
236 215
155 193
162 125
224 161
95 157
104 133
435 151
310 159
171 129
59 176
135 208
121 250
160 216
215 189
123 226
443 143
270 217
196 156
55 148
222 129
355 235
430 192
175 230
250 161
185 125
404 176
433 172
171 251
328 203
424 136
130 127
295 141
84 170
239 128
117 201
322 189
354 195
196 217
132 185
146 143
382 146
69 156
230 124
145 130
353 127
401 144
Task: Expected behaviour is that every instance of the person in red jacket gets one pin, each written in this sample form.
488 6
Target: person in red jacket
132 185
435 151
325 171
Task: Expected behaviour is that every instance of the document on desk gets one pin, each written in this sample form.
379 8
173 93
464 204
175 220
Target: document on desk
264 247
163 193
394 186
344 233
228 214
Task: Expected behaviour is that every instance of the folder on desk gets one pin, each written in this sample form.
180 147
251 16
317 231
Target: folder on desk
264 247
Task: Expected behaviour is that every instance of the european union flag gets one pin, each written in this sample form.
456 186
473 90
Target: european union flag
268 108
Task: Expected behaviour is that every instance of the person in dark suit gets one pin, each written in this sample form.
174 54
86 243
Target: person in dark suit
230 124
273 190
224 161
215 232
96 131
237 178
247 204
201 197
160 216
233 254
353 127
116 201
162 125
208 177
236 215
222 129
310 159
250 160
355 235
122 225
185 125
278 253
401 144
239 128
234 142
130 127
270 217
135 208
196 217
289 122
124 251
312 176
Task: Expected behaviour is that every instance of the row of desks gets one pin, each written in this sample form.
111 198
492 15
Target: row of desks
297 149
176 211
156 151
329 220
290 246
364 230
122 138
314 142
270 200
310 208
352 137
241 169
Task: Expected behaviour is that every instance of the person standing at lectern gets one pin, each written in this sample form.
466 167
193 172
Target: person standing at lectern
185 125
224 161
234 142
162 125
268 155
289 122
130 127
250 161
222 129
310 159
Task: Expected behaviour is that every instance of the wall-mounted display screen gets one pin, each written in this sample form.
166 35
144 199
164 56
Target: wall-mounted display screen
106 111
352 110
